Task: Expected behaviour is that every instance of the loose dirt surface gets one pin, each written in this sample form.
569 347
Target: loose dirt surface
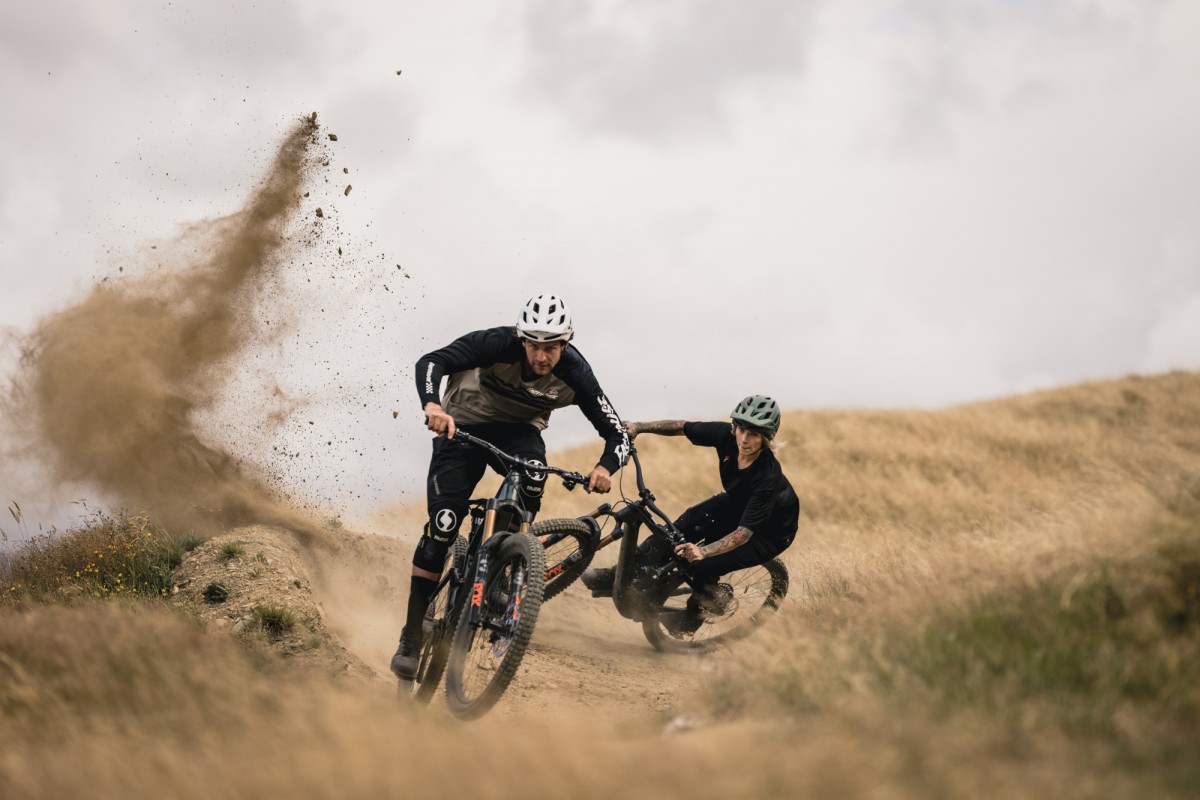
232 582
348 594
584 656
587 658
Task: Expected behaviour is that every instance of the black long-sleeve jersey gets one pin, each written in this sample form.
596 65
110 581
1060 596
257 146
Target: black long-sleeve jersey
486 385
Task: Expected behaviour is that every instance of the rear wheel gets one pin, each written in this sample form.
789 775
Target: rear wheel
439 624
484 657
569 546
750 597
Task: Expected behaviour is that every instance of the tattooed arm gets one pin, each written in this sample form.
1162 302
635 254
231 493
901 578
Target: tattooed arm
693 552
663 427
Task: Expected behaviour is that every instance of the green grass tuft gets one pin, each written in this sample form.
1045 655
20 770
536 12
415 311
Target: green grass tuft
230 551
190 540
274 620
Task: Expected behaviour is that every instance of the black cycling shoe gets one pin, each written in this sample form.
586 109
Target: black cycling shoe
408 655
680 623
714 601
600 580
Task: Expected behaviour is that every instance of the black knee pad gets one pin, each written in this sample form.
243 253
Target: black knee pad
533 483
430 554
443 524
440 532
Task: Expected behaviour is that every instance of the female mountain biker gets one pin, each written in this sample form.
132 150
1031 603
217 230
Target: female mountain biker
753 520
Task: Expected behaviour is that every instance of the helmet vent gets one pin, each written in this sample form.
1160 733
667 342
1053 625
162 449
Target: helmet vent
545 318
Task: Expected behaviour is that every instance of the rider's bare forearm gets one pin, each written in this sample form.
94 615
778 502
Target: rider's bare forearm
663 427
731 542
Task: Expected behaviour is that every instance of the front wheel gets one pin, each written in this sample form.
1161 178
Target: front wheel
440 618
750 597
569 545
484 657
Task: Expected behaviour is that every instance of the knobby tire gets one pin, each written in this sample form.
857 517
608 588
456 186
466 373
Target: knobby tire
440 622
482 660
561 539
757 593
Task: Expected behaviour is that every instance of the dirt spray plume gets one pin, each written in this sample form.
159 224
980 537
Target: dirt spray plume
109 388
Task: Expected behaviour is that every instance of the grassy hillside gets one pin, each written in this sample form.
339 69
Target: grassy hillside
1000 600
1025 570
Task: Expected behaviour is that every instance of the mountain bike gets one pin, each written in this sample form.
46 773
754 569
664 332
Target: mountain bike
655 594
486 603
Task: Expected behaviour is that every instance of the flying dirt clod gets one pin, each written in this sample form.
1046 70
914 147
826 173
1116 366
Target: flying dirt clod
110 387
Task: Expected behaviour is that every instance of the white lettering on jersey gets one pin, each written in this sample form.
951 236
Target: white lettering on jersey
609 412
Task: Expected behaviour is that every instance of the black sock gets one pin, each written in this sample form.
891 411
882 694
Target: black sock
419 591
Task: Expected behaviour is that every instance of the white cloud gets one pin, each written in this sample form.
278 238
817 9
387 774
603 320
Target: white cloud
660 71
895 203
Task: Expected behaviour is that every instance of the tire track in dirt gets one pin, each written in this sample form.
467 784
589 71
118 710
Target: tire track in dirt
585 660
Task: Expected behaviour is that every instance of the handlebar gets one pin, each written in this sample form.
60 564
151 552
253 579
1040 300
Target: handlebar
570 479
648 498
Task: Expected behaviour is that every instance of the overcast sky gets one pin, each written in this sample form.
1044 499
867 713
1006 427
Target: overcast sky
856 203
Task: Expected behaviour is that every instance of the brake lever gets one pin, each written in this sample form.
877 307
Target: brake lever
573 479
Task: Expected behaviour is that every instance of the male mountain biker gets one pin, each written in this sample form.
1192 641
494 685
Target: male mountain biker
751 522
503 384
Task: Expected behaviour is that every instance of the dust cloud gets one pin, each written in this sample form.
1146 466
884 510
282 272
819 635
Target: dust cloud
107 392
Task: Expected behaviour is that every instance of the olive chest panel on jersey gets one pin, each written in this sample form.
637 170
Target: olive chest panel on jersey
500 394
484 384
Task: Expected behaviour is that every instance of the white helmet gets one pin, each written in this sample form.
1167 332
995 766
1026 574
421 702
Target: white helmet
545 318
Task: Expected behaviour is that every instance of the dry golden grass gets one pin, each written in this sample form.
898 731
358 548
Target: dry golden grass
109 555
995 600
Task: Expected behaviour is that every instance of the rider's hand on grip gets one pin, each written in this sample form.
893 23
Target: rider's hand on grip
599 480
439 421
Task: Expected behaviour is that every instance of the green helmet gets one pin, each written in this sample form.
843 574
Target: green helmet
758 413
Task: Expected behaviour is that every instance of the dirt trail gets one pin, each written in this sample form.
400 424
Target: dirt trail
585 658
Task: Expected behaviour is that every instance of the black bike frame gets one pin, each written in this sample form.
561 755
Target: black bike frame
630 519
492 521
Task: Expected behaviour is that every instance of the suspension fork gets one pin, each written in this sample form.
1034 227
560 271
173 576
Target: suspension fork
487 523
479 586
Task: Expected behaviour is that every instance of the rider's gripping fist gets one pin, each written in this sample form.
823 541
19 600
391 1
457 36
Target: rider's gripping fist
599 480
438 420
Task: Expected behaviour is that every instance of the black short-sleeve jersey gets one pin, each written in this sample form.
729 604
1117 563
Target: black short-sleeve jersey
761 491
